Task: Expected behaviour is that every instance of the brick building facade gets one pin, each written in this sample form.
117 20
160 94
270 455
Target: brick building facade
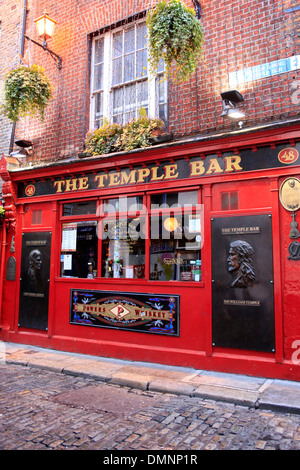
238 36
238 174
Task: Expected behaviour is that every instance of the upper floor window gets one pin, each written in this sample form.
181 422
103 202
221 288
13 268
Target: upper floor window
120 81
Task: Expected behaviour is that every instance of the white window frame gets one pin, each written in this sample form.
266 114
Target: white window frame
153 105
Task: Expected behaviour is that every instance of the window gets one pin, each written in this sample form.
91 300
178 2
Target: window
175 237
120 80
79 249
155 237
229 201
123 238
80 208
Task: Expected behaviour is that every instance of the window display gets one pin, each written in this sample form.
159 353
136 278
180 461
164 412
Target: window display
79 249
123 248
157 241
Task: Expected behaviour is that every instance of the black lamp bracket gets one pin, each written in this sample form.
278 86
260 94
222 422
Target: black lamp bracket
55 57
197 7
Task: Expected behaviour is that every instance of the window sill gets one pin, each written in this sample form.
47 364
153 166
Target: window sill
142 282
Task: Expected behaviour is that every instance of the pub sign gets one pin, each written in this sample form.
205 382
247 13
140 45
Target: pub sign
146 313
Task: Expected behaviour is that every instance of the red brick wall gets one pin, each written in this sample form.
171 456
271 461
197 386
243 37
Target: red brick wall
238 34
10 42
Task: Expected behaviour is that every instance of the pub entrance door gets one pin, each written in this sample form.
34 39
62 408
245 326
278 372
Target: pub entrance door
34 282
242 287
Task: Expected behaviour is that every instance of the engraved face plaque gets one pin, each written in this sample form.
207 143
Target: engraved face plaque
242 287
289 194
34 283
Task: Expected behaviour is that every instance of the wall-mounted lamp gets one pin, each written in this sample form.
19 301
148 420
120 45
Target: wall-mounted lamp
230 101
45 28
24 150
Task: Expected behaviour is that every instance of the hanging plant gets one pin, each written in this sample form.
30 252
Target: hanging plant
176 36
27 91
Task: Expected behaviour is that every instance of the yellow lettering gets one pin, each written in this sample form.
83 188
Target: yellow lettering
114 179
100 180
83 183
154 176
142 174
214 166
59 185
128 179
232 163
71 185
170 171
197 168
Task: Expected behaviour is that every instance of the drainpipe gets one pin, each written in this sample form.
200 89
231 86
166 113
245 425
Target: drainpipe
13 131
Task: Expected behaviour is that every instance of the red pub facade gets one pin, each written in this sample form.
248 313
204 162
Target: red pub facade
184 253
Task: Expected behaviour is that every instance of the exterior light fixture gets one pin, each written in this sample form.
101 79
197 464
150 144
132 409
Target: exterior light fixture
45 28
230 101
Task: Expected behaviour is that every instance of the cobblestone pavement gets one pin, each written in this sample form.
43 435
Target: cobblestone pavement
40 409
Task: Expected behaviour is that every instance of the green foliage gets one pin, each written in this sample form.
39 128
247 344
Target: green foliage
103 140
176 36
27 92
138 133
2 211
115 138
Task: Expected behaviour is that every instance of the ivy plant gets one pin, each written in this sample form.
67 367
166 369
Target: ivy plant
176 36
27 91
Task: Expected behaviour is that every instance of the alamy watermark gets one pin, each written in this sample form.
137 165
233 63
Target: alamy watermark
296 354
165 221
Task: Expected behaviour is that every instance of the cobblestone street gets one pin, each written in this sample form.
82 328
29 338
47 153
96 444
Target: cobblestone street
46 410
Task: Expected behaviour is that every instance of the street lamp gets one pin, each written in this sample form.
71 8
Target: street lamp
45 28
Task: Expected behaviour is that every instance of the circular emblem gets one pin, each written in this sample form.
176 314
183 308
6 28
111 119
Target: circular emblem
289 194
288 155
30 190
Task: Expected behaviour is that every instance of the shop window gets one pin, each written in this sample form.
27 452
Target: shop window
123 248
79 249
80 208
181 199
120 80
160 241
229 201
175 237
122 204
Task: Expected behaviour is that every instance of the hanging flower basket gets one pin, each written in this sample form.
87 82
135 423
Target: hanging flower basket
27 92
176 36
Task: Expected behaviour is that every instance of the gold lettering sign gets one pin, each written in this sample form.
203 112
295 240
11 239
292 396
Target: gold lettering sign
164 172
290 194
